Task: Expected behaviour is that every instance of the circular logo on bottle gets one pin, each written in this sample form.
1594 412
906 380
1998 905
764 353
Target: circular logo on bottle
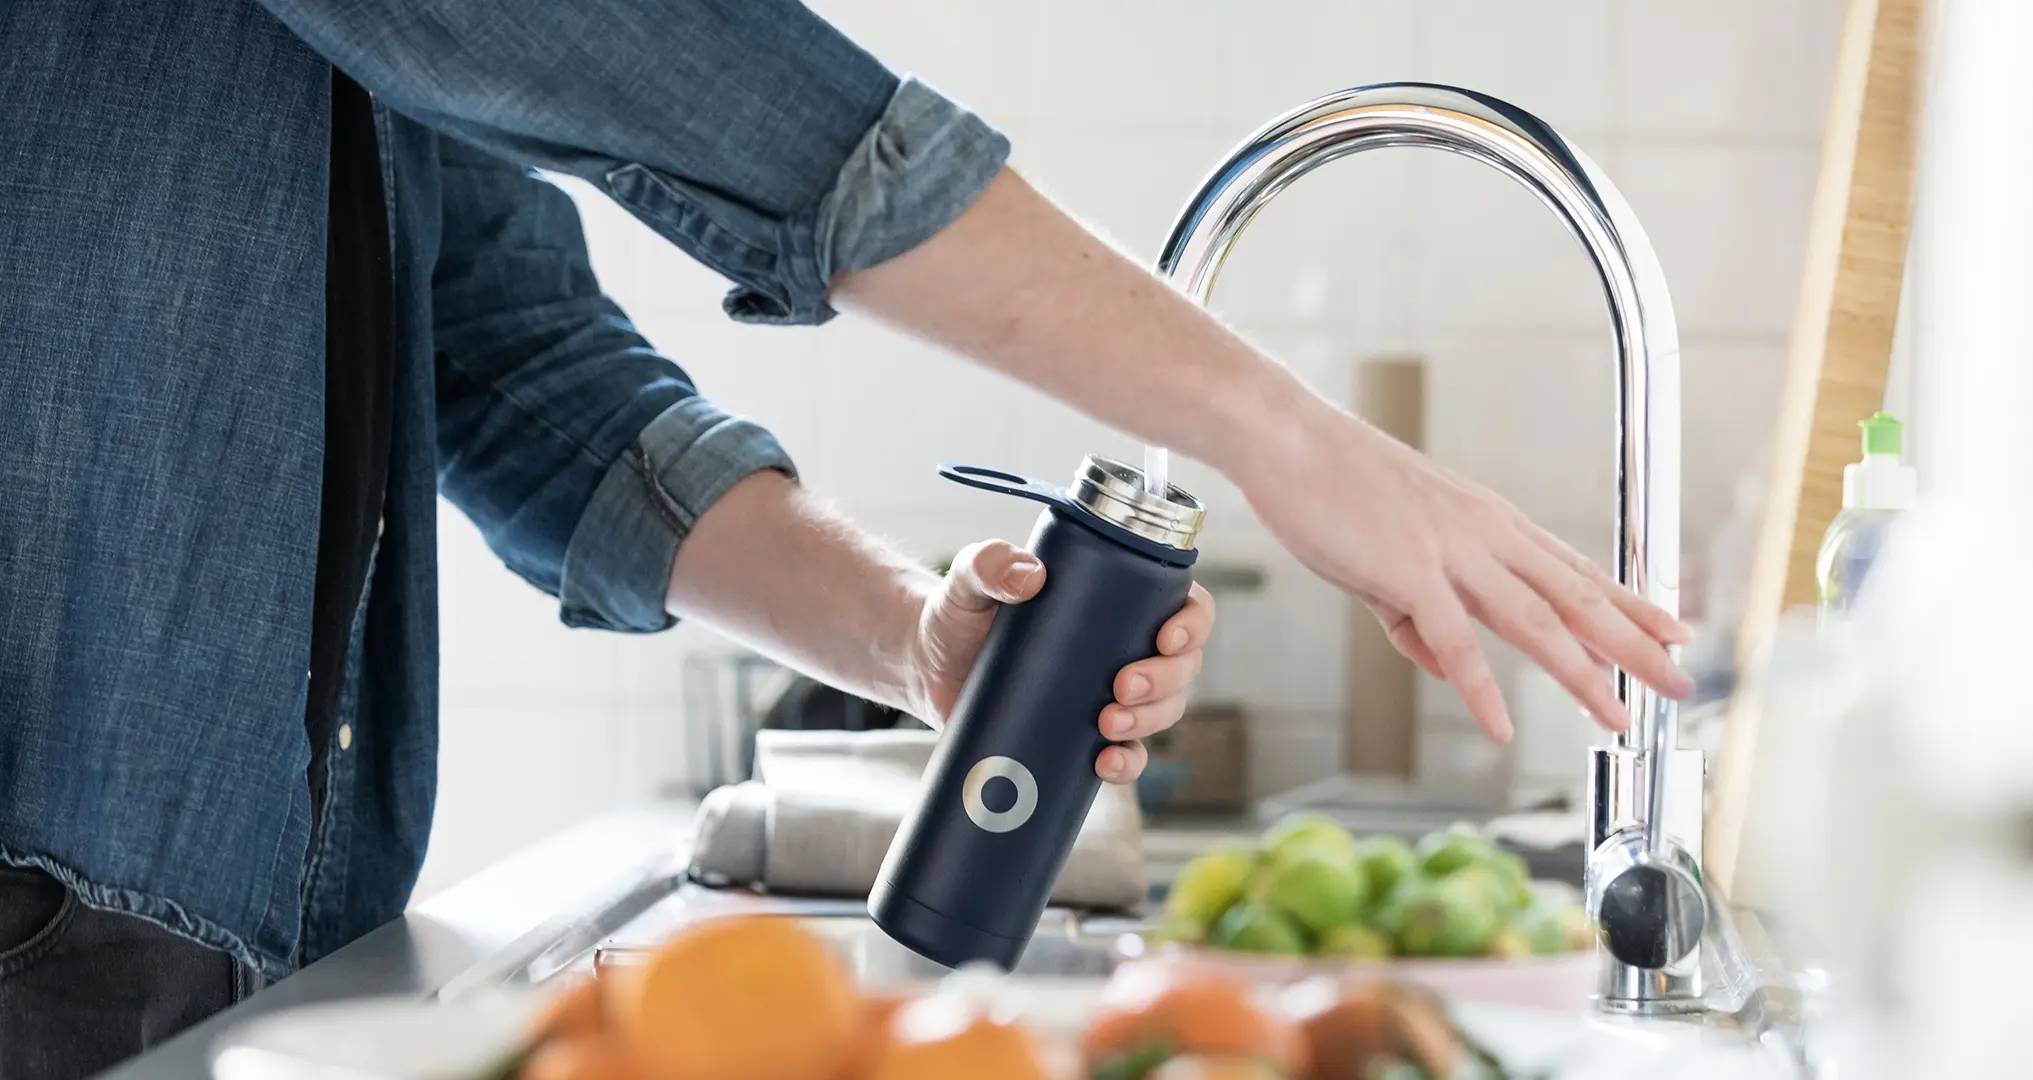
1007 768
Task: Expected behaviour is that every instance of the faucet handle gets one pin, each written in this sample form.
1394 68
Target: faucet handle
1651 910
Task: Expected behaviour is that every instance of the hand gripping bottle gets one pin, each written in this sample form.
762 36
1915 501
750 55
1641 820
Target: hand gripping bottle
1012 779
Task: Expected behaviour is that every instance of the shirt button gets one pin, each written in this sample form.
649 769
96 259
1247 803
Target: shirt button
345 736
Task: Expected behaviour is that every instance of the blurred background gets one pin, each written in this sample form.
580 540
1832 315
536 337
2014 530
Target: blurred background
1706 116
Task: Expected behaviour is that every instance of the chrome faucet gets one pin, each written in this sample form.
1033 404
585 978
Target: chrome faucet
1644 884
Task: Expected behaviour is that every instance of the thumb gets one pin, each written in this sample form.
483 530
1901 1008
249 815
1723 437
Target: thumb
992 572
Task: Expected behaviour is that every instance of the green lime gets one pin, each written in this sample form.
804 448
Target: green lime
1171 930
1315 890
1513 869
1511 943
1255 928
1541 929
1388 916
1443 853
1308 831
1384 860
1451 916
1505 894
1577 930
1354 942
1209 886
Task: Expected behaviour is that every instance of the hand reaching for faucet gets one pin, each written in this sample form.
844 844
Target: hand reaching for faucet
1018 285
1427 551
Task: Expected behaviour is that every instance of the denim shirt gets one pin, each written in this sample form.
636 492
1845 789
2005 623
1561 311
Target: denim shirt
162 220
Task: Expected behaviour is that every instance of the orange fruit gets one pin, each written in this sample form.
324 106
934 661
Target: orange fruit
581 1057
1343 1025
575 1010
872 1033
1193 1011
753 997
944 1038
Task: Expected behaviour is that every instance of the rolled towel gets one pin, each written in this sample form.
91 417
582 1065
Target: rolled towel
824 805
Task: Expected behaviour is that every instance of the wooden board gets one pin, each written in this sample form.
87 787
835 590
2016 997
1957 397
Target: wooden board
1381 732
1838 357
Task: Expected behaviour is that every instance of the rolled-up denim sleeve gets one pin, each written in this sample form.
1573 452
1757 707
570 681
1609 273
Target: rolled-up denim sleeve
750 133
583 456
618 566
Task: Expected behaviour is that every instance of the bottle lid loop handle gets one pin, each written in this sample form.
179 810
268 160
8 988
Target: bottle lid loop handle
1056 497
1022 487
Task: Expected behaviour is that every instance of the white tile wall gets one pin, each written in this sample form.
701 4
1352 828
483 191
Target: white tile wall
1728 221
1490 256
1320 46
1706 114
1734 69
1128 65
1549 57
496 764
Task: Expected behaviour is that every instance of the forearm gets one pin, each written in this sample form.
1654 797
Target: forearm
773 567
1018 285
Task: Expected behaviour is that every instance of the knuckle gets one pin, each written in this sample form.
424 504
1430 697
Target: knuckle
1542 621
1463 662
1585 596
969 558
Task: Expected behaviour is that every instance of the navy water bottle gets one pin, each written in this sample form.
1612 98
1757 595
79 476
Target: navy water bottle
969 873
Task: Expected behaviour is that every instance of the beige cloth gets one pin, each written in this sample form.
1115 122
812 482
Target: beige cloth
820 813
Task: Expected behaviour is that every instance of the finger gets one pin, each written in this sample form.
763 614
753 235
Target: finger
993 572
1444 625
1190 628
1604 629
1121 764
1650 617
1404 637
1120 722
1157 677
1522 617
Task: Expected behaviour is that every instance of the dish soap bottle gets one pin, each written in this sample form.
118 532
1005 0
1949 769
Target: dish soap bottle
1875 491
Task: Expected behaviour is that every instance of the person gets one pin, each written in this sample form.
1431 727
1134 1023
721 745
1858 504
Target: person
280 273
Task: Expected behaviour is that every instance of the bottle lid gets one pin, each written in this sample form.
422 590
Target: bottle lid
1114 492
1882 434
1880 481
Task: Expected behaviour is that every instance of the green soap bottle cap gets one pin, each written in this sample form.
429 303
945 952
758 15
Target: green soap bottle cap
1882 434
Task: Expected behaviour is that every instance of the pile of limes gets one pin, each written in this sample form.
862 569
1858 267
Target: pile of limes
1308 888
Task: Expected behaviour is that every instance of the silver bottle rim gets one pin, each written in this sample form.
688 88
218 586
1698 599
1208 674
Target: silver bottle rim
1114 492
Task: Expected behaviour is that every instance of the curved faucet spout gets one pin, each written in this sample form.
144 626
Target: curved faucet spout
1644 883
1522 147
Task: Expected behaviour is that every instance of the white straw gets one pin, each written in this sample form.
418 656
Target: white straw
1157 466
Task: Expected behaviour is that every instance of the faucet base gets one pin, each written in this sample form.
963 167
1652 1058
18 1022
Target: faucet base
1676 1004
1624 990
1649 906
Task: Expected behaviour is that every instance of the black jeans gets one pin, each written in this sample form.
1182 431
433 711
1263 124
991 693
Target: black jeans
82 990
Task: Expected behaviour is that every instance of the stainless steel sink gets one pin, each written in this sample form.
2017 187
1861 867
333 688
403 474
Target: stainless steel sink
623 925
